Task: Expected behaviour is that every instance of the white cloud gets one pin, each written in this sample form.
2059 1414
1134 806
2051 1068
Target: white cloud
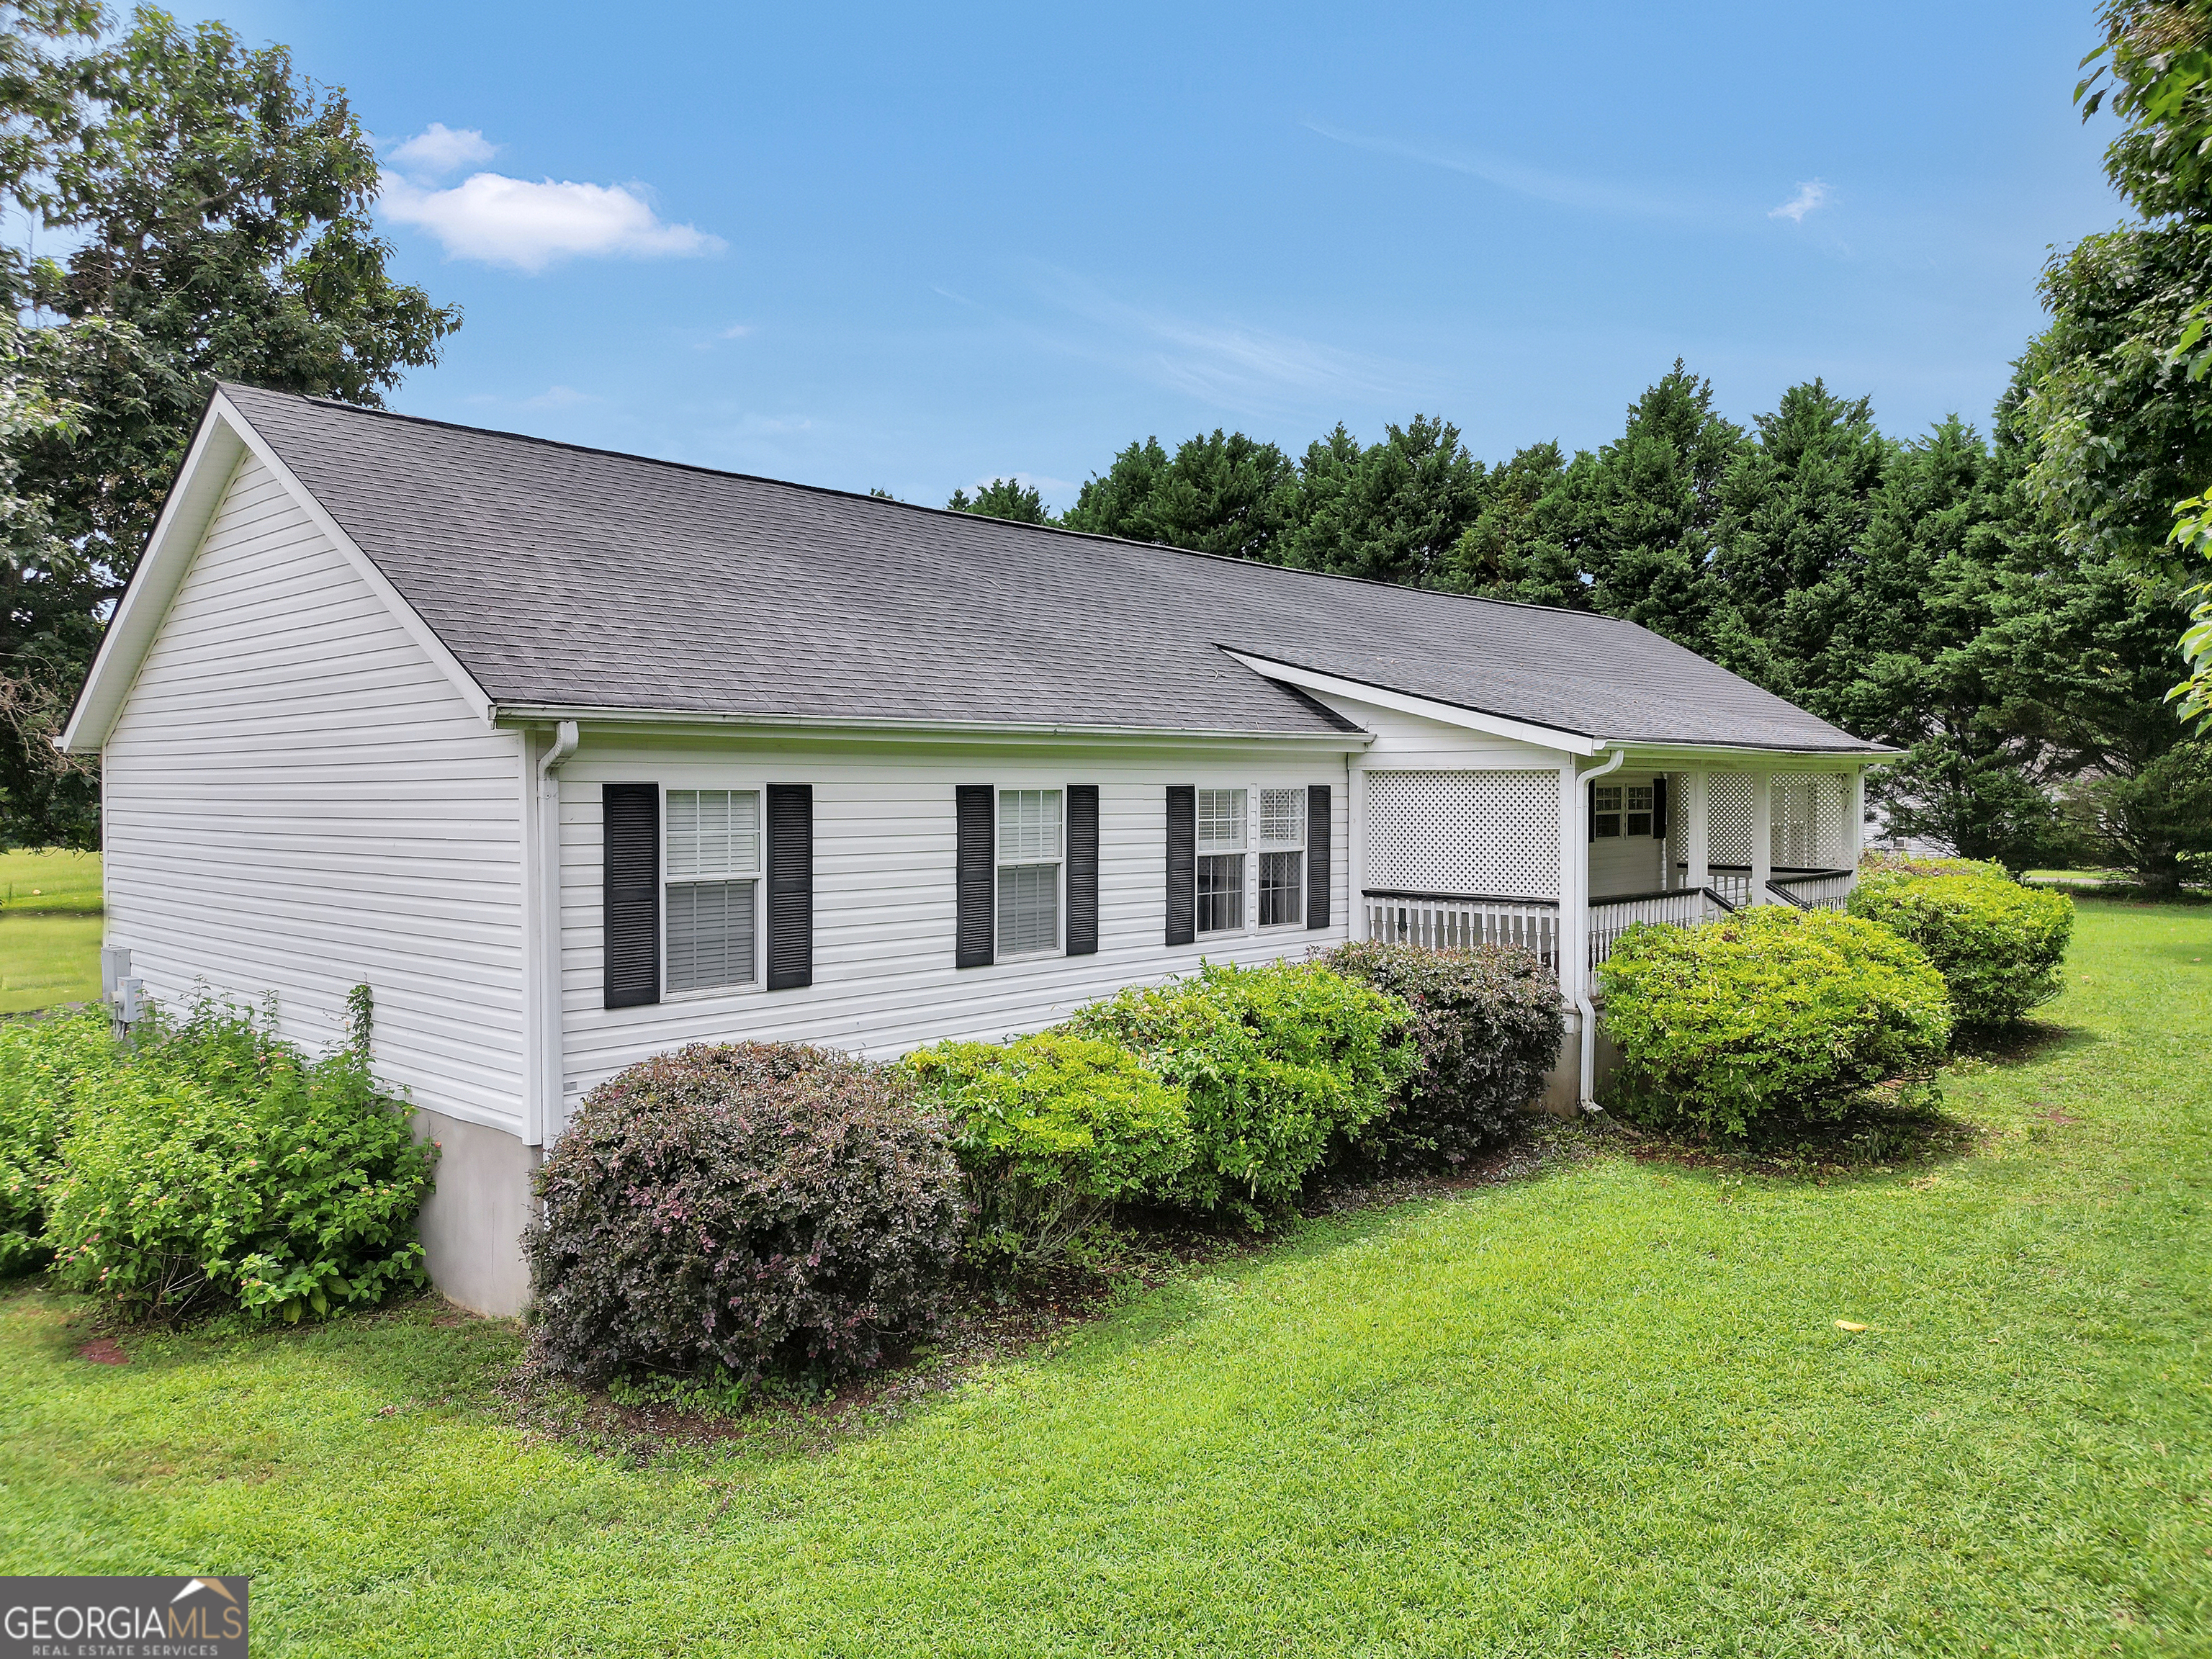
513 222
1563 190
1811 194
558 397
735 331
438 150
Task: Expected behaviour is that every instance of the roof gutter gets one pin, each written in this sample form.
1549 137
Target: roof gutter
864 729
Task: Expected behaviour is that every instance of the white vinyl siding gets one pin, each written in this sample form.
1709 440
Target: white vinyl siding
711 917
1030 831
297 801
885 894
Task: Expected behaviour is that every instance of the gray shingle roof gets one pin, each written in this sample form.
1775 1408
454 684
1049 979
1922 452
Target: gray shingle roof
575 577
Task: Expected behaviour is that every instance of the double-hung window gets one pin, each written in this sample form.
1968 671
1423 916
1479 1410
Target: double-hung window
1030 848
1639 809
713 846
1282 857
1221 846
1605 811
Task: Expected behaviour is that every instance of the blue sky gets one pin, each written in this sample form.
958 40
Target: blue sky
917 248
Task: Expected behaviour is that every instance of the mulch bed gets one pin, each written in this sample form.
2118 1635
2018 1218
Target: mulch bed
104 1351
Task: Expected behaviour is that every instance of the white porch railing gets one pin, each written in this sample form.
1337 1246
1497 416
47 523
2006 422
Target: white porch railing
1614 915
1808 889
1459 921
1814 889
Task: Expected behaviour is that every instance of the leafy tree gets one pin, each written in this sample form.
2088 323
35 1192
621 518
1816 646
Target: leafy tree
2114 388
217 210
1002 498
1394 511
1793 506
1220 492
1628 530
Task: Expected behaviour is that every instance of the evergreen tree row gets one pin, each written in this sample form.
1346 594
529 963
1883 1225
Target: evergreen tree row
1911 592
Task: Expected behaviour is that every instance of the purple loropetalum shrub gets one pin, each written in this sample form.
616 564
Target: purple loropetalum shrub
1487 1022
746 1208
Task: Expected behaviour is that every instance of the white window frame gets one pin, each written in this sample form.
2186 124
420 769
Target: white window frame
1241 849
1617 793
759 878
1629 812
1000 863
1263 844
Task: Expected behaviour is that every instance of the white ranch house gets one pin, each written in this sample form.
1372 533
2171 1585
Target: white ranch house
574 756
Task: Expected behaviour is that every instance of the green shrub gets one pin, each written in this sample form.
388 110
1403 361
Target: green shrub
1052 1131
1772 1009
44 1064
742 1210
1277 1061
1997 944
214 1167
1487 1022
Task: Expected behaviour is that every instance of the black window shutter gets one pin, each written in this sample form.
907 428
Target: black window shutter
1659 806
974 877
790 886
1082 869
1317 855
630 868
1590 811
1182 863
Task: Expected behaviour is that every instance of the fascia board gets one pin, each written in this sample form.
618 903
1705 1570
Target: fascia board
209 461
224 439
845 728
464 682
1404 702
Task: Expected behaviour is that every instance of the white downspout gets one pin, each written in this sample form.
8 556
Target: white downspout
1582 1003
545 942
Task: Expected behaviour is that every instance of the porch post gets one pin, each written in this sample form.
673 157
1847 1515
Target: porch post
1762 836
1355 849
1574 867
1697 831
1854 831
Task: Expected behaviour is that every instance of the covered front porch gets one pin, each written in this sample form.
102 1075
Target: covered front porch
1634 843
1566 860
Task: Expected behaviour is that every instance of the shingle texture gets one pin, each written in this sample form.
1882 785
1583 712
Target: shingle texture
574 577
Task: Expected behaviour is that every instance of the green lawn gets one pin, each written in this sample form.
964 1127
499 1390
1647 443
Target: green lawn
49 929
1605 1410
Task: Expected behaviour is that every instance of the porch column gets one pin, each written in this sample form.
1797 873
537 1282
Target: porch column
1355 838
1855 830
1762 836
1697 831
1574 886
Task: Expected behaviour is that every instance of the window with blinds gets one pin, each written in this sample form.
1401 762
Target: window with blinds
1222 845
712 873
1031 843
1282 857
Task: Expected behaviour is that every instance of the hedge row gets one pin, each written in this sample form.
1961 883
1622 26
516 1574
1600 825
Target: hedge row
755 1209
1809 1012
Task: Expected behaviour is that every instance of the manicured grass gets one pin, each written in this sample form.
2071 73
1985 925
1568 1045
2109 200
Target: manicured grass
47 960
50 882
1605 1410
49 929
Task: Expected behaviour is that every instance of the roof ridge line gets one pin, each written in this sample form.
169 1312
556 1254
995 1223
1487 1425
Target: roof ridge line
919 506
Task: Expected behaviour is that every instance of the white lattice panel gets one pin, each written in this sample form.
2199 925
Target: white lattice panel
1489 833
1810 810
1728 816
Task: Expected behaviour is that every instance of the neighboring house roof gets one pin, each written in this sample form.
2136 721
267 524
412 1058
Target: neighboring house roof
575 577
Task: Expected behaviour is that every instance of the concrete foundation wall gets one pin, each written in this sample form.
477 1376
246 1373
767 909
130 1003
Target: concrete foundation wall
472 1225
